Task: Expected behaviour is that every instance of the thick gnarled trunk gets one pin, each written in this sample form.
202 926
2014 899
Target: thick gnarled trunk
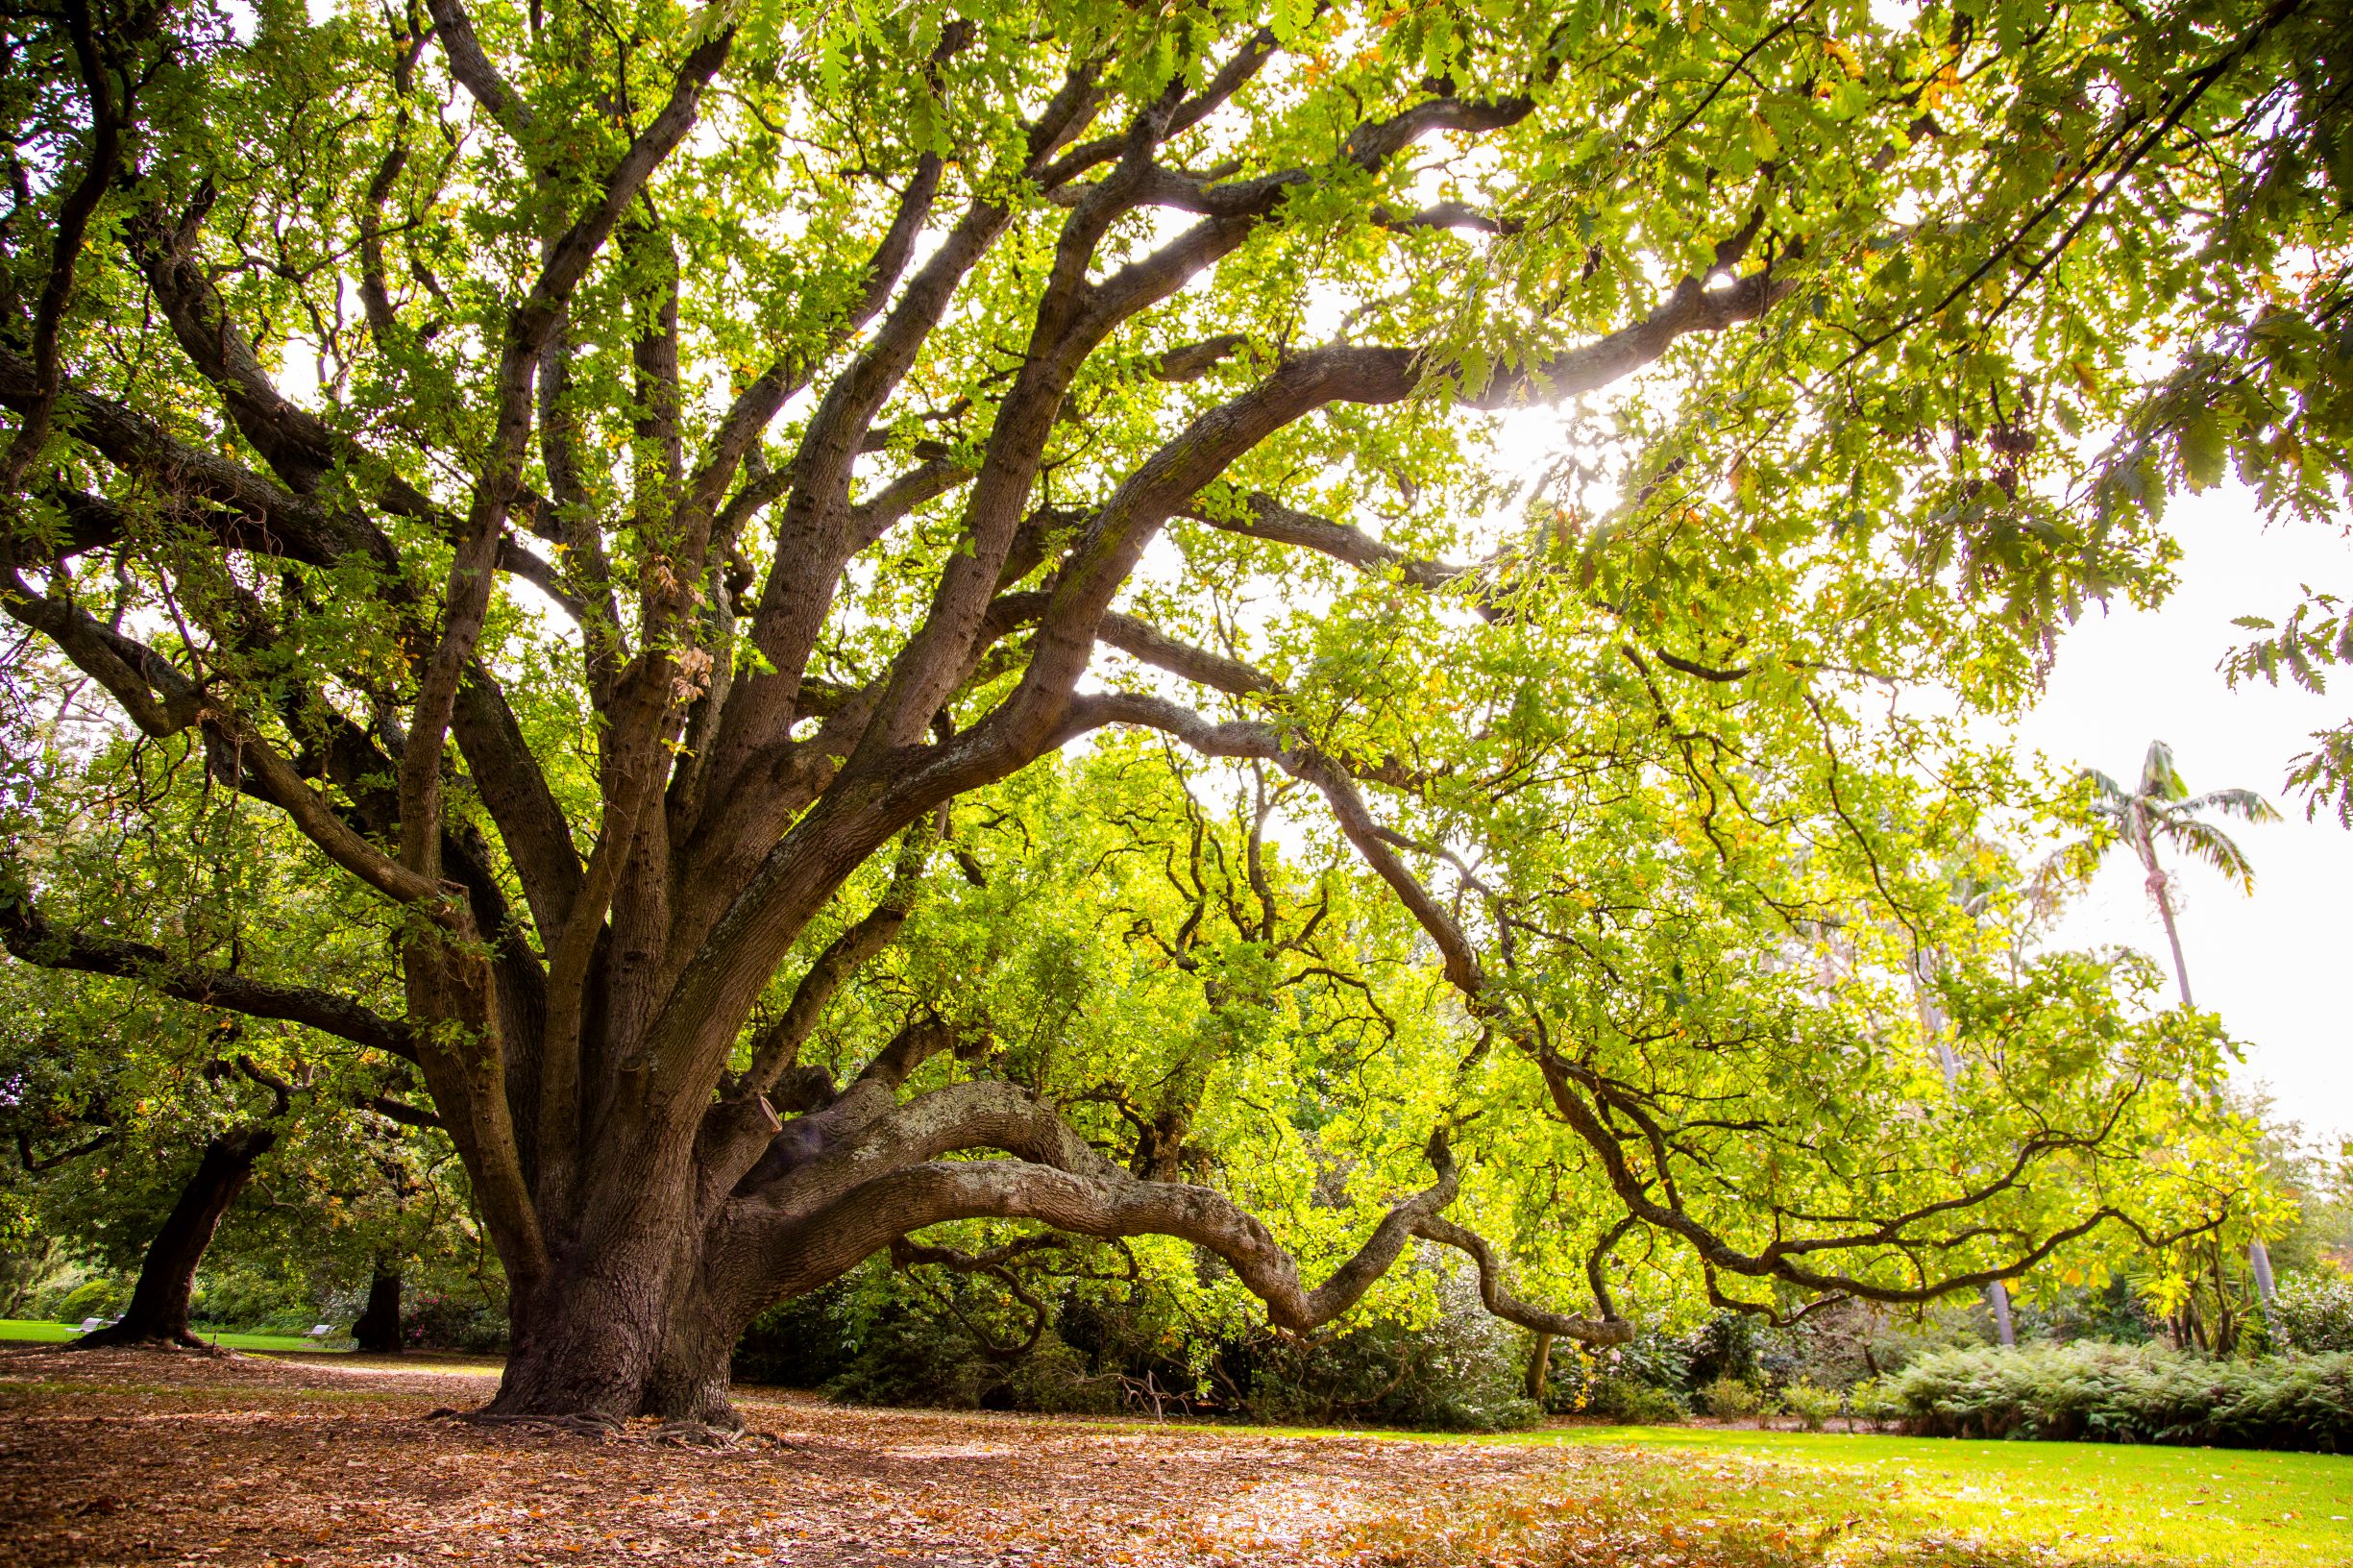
583 1350
628 1333
690 1376
587 1335
673 1254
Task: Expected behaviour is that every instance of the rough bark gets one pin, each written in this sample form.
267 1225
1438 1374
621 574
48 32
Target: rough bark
585 1337
158 1310
690 1377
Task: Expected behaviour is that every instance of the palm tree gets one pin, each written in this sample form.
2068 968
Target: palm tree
2162 810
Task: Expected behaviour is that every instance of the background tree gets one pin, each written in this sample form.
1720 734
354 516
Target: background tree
765 432
149 1145
144 1108
2161 810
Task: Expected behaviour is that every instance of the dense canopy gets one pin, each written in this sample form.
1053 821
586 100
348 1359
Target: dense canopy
1280 633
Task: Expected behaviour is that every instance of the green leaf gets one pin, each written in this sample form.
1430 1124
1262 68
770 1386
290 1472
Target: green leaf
2204 449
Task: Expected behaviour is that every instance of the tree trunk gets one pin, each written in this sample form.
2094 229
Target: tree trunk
158 1310
379 1327
2258 1256
692 1373
1539 1367
587 1338
1998 1297
2173 931
575 1358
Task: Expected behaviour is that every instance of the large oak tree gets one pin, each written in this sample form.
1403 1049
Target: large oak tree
632 487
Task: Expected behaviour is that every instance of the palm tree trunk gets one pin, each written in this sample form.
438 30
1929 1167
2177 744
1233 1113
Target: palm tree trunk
2173 935
2259 1258
2164 901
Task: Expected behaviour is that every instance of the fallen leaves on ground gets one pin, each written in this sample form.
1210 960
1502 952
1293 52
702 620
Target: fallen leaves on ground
131 1457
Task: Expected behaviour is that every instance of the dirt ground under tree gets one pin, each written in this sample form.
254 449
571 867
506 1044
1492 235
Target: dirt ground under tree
149 1457
116 1457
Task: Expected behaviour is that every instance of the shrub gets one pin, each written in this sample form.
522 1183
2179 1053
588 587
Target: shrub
30 1279
1672 1362
2113 1393
1729 1399
1460 1371
253 1301
1634 1402
433 1321
1868 1401
909 1358
1728 1347
1810 1405
805 1343
104 1296
2315 1311
2114 1313
1053 1377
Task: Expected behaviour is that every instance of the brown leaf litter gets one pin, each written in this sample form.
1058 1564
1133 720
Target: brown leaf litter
141 1457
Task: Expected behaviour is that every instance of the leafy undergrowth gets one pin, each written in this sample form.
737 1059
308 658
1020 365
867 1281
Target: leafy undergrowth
149 1458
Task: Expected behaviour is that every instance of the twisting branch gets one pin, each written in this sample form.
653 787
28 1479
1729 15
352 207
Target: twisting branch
1085 1194
471 66
906 1255
1784 1259
34 1164
400 1111
775 1047
30 936
1606 1330
109 115
1262 517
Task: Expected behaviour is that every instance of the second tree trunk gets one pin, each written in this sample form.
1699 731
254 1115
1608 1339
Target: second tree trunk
158 1310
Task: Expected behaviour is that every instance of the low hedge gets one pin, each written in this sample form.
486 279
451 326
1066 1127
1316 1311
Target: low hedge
2128 1394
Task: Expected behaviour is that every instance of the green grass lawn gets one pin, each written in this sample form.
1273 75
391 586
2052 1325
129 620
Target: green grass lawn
23 1329
1834 1498
1740 1496
2093 1501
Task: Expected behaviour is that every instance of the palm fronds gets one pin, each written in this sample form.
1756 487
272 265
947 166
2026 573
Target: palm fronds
2203 841
2160 812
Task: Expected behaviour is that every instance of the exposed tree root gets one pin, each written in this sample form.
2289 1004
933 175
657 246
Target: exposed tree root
607 1429
115 1338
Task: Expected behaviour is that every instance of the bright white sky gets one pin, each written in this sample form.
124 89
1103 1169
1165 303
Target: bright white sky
2278 967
